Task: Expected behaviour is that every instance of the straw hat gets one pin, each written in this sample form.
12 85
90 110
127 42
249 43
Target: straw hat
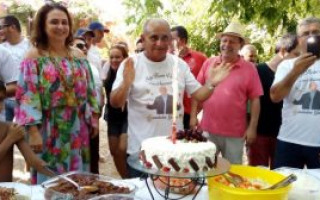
234 29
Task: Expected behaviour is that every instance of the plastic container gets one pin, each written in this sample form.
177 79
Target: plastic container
218 191
307 186
116 197
51 194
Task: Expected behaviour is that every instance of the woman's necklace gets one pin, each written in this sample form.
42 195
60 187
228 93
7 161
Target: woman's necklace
69 93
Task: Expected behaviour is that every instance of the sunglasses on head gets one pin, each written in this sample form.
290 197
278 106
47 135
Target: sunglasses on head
81 46
59 3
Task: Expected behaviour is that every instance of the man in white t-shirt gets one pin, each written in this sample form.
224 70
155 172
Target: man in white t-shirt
17 46
7 75
140 78
295 83
94 56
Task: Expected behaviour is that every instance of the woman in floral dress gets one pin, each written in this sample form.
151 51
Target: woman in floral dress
56 95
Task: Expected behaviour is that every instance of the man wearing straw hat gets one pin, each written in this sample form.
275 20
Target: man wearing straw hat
224 112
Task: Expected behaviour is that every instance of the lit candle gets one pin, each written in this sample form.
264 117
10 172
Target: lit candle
175 95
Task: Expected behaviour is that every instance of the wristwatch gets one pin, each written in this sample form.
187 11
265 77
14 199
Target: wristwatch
210 86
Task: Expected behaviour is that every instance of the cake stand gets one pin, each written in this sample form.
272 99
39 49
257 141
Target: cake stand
196 178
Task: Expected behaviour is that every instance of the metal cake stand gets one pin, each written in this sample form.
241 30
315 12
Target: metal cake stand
197 179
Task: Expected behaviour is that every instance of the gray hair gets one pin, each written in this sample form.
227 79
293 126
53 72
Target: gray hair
288 42
247 48
154 21
307 21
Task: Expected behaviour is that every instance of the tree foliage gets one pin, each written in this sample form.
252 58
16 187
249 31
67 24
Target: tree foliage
266 19
23 12
81 11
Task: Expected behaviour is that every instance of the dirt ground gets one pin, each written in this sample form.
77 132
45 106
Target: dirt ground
106 164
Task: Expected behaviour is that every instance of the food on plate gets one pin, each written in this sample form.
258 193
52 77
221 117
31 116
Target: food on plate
11 194
116 197
175 185
190 153
104 187
7 193
247 183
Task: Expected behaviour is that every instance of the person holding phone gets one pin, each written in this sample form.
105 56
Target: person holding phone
298 142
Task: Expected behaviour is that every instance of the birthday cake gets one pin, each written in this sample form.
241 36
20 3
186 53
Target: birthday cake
191 152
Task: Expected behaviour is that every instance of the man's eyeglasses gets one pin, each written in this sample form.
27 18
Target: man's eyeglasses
3 26
138 50
81 46
309 33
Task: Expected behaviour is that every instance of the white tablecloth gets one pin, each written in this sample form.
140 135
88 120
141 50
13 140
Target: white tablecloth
142 192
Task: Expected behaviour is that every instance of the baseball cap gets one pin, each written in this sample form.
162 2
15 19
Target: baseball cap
98 26
82 31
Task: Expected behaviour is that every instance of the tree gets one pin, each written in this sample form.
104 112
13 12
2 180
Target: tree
266 19
24 13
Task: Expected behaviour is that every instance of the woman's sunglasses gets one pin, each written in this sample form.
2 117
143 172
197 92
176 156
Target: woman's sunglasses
138 50
81 46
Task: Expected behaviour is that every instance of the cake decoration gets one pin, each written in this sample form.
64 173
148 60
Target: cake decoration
157 161
194 165
143 156
209 162
191 135
215 161
174 164
186 170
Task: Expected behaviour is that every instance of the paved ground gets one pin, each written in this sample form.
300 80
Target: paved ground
106 168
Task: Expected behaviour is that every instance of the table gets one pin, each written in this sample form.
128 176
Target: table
142 191
37 192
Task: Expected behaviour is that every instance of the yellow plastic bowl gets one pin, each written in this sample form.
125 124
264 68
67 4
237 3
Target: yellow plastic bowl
218 191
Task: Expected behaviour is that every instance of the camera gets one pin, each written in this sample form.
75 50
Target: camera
313 45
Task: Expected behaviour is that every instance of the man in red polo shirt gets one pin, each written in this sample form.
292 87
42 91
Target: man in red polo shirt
224 112
193 58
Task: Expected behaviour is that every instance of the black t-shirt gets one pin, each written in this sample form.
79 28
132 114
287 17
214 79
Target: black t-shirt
115 115
270 113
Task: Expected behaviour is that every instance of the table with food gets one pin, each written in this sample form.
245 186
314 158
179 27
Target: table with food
184 167
306 187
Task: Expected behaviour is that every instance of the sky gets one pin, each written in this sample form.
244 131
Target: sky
113 9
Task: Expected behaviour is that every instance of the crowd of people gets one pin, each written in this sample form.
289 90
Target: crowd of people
55 86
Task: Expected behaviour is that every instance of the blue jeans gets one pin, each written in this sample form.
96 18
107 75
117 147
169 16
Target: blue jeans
296 156
10 104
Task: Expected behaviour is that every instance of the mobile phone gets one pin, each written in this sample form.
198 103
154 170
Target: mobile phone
313 45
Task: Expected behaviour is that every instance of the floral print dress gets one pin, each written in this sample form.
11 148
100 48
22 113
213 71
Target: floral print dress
43 86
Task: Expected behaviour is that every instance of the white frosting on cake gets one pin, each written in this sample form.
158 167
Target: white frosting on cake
181 152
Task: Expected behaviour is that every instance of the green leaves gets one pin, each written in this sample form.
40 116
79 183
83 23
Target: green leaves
204 19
